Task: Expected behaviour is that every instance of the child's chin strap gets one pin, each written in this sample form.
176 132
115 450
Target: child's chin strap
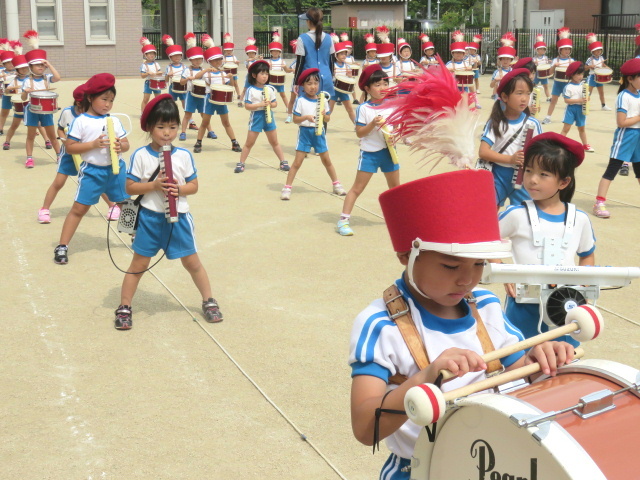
415 251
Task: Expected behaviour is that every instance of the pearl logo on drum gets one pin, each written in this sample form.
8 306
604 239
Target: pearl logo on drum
486 463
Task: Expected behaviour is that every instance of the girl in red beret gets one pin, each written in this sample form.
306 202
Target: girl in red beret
626 138
502 140
88 138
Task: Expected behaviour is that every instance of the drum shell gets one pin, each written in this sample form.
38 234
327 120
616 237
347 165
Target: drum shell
18 104
157 83
560 75
43 102
464 79
276 78
231 68
603 75
344 84
355 71
199 89
176 86
221 94
544 71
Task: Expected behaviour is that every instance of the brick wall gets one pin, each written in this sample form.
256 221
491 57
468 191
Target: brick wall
76 59
576 14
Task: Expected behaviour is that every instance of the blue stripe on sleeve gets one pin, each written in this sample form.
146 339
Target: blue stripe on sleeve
371 369
373 338
365 331
487 301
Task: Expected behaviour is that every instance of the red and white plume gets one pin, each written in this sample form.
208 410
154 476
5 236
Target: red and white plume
190 40
424 38
539 38
477 38
293 44
207 41
564 32
4 44
251 41
440 120
276 37
144 41
457 36
369 38
383 33
32 38
400 41
16 46
637 27
226 38
344 36
508 39
167 40
591 37
334 37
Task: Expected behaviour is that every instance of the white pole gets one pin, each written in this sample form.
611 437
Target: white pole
13 24
229 16
188 15
429 10
215 12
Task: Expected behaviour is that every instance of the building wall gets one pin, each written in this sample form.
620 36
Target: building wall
576 14
368 16
75 59
243 26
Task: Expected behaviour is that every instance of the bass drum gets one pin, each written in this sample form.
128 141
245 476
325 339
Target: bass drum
481 438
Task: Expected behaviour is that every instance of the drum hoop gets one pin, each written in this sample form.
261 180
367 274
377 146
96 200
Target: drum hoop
346 79
43 94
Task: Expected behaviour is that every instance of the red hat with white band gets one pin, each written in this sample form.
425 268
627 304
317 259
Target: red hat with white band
402 43
7 56
458 44
426 43
370 41
344 37
147 46
384 49
172 48
275 45
20 61
212 53
227 43
251 45
192 51
539 42
340 47
507 49
477 38
36 55
564 41
593 42
452 213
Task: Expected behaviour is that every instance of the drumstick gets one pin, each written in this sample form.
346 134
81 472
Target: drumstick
426 404
115 159
588 324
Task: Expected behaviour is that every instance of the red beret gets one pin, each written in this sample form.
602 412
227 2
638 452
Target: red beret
507 78
99 83
522 63
254 64
366 73
303 76
150 106
631 67
78 93
567 143
572 68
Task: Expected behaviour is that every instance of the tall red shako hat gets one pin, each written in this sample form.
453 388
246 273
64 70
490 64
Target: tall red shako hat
452 213
385 48
477 38
507 49
458 44
425 42
147 46
344 37
340 47
592 41
370 41
275 45
402 43
227 43
251 45
564 42
192 51
172 48
539 42
36 55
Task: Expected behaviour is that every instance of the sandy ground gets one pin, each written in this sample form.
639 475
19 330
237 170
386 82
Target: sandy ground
179 398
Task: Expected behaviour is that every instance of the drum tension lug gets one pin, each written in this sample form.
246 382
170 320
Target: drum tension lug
595 403
532 421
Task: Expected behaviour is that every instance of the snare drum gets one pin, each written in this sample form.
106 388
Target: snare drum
344 84
176 87
157 83
464 79
561 74
43 102
276 78
482 439
199 88
231 68
18 104
603 75
355 70
544 71
221 94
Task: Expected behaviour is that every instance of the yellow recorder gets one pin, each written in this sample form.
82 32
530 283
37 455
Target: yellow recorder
585 96
115 159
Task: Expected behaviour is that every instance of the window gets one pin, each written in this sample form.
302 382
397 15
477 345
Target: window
46 19
99 22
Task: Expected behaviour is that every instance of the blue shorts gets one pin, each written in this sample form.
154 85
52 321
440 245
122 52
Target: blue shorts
66 165
525 317
395 468
278 88
94 180
558 87
153 233
258 122
503 182
592 81
147 89
213 108
540 81
235 77
372 161
246 82
177 95
37 119
573 114
476 74
294 88
307 139
6 102
341 97
626 145
194 104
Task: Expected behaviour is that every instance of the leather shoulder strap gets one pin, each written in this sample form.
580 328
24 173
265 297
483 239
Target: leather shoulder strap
400 313
483 335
